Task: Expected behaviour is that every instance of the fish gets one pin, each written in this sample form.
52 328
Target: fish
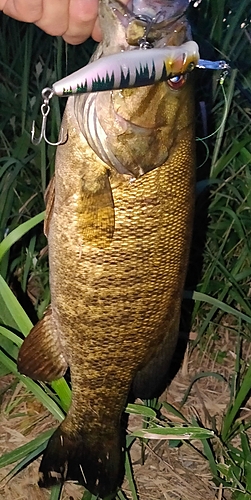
119 217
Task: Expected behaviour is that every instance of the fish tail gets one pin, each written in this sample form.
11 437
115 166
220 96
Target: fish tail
96 462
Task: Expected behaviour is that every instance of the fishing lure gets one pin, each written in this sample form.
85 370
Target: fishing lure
128 69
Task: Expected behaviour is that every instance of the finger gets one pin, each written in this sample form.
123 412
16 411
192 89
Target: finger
29 11
82 17
54 19
96 32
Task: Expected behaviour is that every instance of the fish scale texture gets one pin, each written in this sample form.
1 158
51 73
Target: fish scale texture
116 304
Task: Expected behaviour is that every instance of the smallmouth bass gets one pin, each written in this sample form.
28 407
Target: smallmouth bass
119 222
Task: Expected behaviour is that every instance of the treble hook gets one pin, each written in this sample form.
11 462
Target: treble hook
47 94
150 21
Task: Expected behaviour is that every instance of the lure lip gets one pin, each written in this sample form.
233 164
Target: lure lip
214 65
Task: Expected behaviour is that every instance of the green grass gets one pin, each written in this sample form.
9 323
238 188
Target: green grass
34 60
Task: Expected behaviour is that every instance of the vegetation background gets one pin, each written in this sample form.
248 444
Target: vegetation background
218 285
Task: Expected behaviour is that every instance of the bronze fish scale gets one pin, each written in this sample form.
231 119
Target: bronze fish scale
118 253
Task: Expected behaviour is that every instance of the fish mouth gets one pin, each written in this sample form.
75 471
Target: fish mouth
159 22
149 10
168 8
156 25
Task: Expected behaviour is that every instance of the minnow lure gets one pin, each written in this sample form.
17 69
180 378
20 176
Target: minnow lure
134 68
128 69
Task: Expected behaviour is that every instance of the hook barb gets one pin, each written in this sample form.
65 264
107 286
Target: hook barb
47 94
36 141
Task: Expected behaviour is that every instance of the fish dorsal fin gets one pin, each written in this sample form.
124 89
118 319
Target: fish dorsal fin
96 210
41 355
49 197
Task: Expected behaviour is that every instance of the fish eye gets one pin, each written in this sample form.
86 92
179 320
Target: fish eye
176 82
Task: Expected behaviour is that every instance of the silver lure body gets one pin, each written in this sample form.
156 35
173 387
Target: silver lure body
131 68
135 68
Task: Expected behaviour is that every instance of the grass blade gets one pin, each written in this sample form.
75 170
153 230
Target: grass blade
202 297
11 312
21 452
180 433
17 233
34 387
56 492
235 408
130 477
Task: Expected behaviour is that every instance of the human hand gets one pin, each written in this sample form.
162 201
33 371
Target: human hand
74 20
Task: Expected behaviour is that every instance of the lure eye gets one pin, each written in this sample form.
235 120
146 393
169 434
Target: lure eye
176 82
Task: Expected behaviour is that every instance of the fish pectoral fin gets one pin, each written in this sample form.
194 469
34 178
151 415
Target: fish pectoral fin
49 197
96 211
41 356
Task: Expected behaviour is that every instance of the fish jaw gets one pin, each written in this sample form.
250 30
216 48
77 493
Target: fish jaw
123 25
166 8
